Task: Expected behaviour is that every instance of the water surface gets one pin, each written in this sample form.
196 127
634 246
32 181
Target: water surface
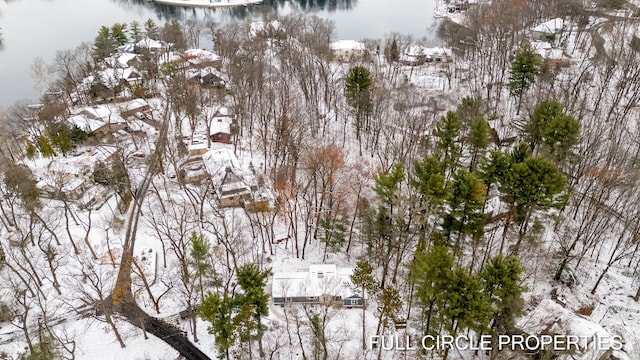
38 28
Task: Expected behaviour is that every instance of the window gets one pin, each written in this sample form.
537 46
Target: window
287 299
354 301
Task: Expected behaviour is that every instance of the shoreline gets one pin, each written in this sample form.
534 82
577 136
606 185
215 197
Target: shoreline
209 3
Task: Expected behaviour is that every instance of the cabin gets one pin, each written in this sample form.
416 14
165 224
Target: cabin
220 131
321 284
348 50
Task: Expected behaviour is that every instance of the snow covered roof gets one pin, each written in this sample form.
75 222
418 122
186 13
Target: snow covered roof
127 48
347 45
200 56
201 73
84 123
320 279
232 184
100 112
197 145
219 125
93 118
217 160
133 105
149 44
551 318
550 26
120 60
223 111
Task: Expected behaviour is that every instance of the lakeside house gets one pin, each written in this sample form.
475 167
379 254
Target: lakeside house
418 55
348 50
323 284
97 119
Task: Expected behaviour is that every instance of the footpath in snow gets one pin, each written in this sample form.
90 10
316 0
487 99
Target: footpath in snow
209 3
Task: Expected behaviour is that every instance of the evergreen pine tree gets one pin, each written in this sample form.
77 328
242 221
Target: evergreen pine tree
104 45
357 88
526 65
119 33
151 29
363 280
389 305
135 31
530 185
466 201
387 184
469 109
448 131
494 167
200 261
542 114
253 282
501 278
45 147
218 310
552 129
479 138
391 52
428 180
431 273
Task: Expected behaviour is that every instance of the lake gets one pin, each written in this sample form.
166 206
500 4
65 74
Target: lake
38 28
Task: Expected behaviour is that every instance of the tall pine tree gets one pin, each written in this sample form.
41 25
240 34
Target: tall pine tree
526 66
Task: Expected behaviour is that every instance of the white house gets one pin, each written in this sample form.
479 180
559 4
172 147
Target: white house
321 284
346 50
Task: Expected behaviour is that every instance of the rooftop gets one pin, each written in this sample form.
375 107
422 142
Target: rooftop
320 279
